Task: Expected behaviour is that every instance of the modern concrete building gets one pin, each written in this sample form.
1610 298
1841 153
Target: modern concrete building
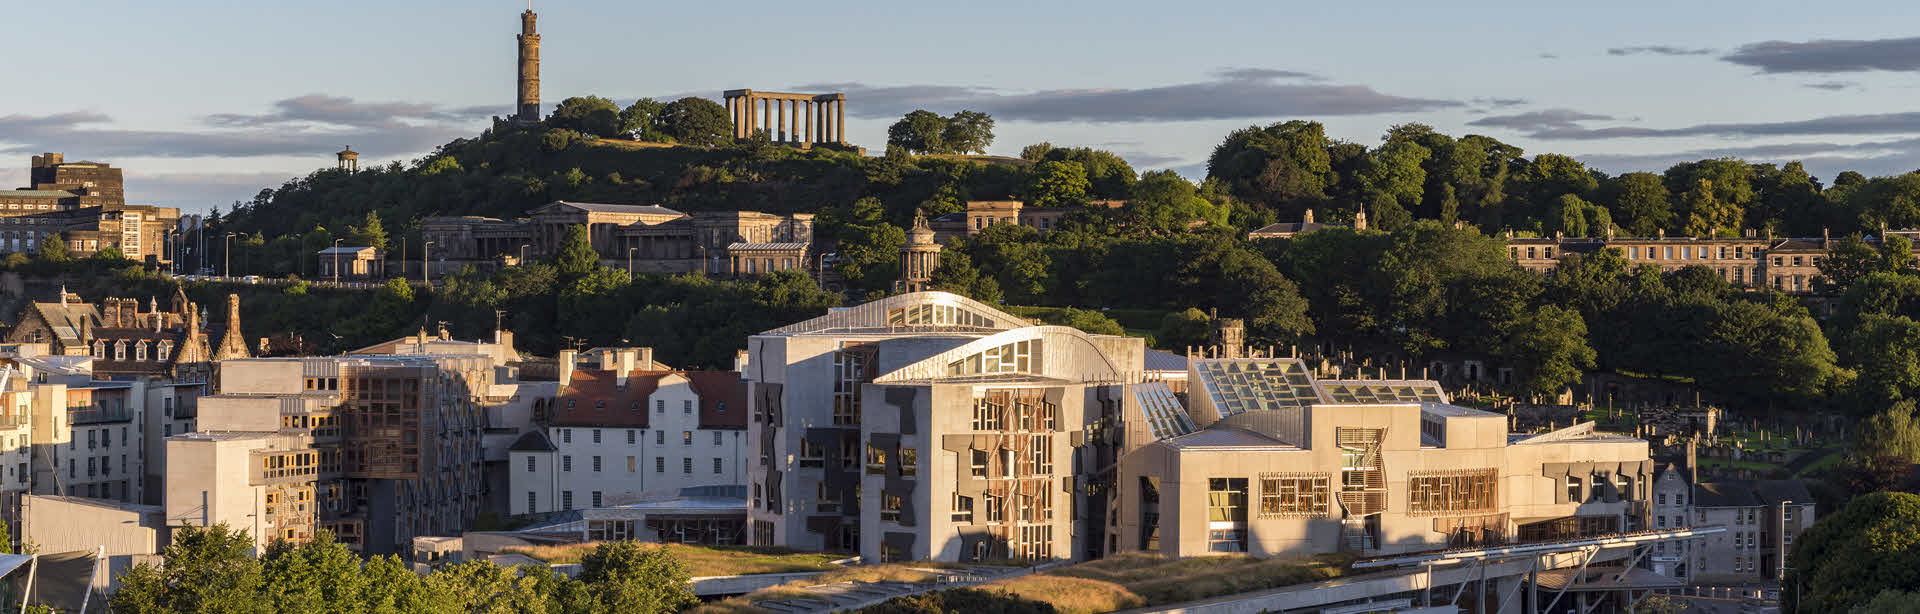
84 204
927 426
1285 463
375 448
625 431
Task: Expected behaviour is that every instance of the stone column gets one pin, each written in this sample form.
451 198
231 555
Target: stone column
766 118
781 135
793 135
840 121
820 121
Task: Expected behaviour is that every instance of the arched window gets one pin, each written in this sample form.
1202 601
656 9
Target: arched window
166 349
100 349
140 351
120 350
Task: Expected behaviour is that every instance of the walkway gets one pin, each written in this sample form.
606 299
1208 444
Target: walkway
843 596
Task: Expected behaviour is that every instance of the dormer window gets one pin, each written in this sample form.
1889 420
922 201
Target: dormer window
600 404
720 406
636 406
569 403
120 350
100 350
140 351
165 350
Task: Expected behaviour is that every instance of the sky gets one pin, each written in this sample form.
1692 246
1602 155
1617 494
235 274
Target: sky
203 102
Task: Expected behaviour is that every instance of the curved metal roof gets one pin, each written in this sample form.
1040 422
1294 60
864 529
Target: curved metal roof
911 312
1064 352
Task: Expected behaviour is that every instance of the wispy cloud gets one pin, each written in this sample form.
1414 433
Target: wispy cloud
1873 158
1566 124
303 125
1830 56
1832 86
1239 93
1657 50
1534 121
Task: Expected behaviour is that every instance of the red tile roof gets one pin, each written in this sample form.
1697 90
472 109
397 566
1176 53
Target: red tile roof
723 398
592 399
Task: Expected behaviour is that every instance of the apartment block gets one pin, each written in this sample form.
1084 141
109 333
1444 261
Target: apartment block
1761 517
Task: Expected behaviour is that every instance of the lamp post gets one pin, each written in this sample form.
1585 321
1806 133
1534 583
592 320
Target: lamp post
424 248
336 261
523 253
227 252
173 252
630 262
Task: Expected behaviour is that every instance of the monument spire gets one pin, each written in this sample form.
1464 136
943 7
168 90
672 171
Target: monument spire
528 107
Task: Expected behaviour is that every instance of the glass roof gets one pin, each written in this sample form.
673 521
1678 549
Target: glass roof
1382 392
1162 410
1240 386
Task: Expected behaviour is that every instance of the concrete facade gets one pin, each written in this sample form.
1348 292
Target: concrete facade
643 238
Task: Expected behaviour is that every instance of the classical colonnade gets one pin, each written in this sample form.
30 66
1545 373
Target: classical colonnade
803 119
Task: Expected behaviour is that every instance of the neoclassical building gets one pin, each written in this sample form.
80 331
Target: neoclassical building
84 204
1787 264
647 238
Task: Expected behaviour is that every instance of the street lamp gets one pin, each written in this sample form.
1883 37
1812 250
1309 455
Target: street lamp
423 264
227 252
523 253
173 252
630 262
336 261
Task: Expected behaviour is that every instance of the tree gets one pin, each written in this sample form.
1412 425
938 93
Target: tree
1163 203
868 246
695 121
1640 203
965 132
110 255
1093 322
52 249
1889 601
1846 559
957 274
369 233
1182 329
319 576
588 115
920 132
481 587
1284 166
1884 449
204 570
576 256
1056 184
640 120
1707 214
1577 218
1549 351
1886 352
1036 152
624 577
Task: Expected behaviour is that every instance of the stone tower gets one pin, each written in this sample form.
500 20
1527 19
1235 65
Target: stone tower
918 257
233 344
528 109
1227 335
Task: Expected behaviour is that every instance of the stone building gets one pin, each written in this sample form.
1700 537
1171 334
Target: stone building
83 203
981 214
627 430
352 263
1288 230
919 256
1753 260
1762 518
123 340
647 238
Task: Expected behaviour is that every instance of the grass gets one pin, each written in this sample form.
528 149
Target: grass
1818 467
702 560
891 572
632 144
1138 579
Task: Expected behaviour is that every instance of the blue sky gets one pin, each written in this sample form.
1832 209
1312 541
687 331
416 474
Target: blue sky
206 102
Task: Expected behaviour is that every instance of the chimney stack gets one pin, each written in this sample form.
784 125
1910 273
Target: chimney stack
566 361
626 357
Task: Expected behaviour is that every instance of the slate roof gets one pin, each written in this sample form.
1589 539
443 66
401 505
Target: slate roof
1157 360
593 398
1750 493
723 398
533 441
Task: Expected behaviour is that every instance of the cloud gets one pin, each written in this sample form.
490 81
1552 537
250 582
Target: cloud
1830 56
1873 158
1143 161
1657 50
1231 94
1501 103
314 124
1533 121
1832 86
1549 56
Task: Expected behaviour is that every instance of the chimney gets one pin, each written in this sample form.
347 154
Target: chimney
1826 234
626 356
1307 218
1660 234
1693 462
609 359
645 362
566 362
740 361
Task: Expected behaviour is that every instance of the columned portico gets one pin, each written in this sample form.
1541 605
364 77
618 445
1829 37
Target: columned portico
816 118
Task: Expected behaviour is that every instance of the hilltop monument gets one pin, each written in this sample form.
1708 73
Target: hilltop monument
527 110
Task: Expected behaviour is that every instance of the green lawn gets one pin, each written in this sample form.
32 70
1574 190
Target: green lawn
1136 579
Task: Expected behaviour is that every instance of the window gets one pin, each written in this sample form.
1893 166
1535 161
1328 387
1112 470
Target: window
530 462
1573 490
850 371
659 438
629 436
962 508
1227 540
1786 512
909 461
596 498
718 465
686 438
811 454
596 435
566 435
596 464
659 464
979 463
716 438
1294 494
686 466
1227 500
629 464
1679 499
1444 492
566 463
566 500
660 406
890 507
530 502
876 460
996 508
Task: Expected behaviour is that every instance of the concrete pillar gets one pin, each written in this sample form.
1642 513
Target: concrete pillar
840 121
